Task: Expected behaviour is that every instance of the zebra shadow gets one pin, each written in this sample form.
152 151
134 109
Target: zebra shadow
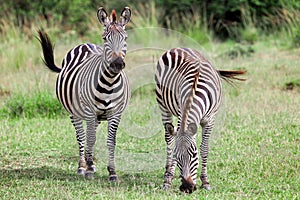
43 173
57 174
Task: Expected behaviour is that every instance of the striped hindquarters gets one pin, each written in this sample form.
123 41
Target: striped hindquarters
175 76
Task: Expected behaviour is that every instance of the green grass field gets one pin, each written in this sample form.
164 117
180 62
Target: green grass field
254 148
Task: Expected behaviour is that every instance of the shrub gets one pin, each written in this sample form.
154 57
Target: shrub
37 104
239 50
249 34
224 19
296 37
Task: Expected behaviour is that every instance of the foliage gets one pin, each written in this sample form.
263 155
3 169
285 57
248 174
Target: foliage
69 13
226 20
229 17
145 15
249 35
37 104
239 50
296 37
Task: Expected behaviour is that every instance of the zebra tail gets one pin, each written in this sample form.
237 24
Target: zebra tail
230 75
47 47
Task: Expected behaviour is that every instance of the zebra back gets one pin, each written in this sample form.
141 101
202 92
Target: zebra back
188 104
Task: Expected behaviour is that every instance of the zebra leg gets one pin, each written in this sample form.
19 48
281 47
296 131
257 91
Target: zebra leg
206 130
170 164
80 136
169 138
91 140
113 123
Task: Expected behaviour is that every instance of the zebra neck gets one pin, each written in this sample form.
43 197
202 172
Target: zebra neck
106 77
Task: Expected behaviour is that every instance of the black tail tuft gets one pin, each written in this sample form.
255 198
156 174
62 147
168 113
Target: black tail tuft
47 47
230 75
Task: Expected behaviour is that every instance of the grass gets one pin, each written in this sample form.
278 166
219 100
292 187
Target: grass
254 152
37 104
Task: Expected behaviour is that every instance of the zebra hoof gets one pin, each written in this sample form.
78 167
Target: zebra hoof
81 171
166 186
206 186
89 175
92 168
113 178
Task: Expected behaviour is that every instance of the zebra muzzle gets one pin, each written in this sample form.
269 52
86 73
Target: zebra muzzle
117 65
187 185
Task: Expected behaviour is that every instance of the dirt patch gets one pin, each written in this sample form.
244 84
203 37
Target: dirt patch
4 93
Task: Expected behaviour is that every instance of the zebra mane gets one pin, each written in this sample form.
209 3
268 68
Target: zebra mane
113 16
188 103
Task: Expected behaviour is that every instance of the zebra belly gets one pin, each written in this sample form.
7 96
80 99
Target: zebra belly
69 96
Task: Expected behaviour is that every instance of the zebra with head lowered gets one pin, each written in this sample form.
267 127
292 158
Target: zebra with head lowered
92 86
187 86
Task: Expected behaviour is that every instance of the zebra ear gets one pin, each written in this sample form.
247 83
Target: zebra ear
192 128
102 16
125 17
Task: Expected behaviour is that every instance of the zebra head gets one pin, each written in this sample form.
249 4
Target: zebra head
114 37
186 155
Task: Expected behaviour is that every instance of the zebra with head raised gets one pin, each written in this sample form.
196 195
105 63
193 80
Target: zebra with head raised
92 86
187 86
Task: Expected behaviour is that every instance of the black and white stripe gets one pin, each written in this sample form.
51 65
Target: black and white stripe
189 87
92 86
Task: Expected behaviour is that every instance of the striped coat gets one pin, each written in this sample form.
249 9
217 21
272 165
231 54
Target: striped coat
188 87
92 86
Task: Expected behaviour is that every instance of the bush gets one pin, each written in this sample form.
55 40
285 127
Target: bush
239 50
69 14
249 34
296 38
224 19
38 104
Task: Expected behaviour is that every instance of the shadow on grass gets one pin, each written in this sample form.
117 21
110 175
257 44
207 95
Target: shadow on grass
127 180
44 173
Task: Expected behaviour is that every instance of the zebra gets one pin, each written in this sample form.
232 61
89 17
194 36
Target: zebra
189 87
93 87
